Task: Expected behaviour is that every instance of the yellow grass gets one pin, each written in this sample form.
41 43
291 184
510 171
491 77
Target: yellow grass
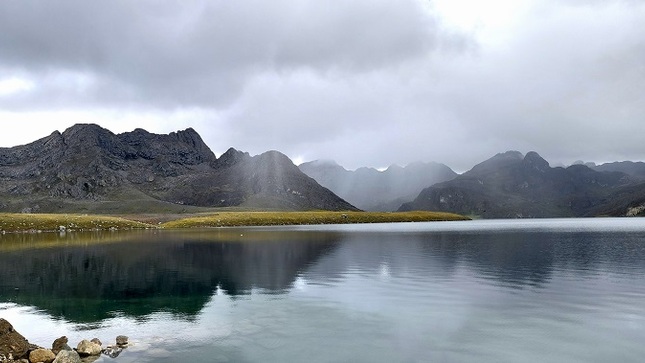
233 219
11 222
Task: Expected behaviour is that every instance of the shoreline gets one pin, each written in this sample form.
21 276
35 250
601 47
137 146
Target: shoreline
70 222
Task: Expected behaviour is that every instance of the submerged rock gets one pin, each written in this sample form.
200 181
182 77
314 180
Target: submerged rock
121 340
12 344
112 351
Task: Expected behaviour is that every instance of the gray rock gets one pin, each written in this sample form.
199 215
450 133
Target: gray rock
60 344
121 340
67 356
85 348
112 351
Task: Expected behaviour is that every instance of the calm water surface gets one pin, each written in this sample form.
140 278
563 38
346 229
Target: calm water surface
485 291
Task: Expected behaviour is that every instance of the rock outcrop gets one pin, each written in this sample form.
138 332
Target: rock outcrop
12 344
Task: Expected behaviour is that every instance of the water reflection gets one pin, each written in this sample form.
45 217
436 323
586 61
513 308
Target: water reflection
90 277
512 259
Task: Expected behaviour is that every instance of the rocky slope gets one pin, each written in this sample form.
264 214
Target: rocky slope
88 168
511 185
631 168
374 190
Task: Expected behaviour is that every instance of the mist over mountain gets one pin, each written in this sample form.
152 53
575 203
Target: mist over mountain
89 168
374 190
512 185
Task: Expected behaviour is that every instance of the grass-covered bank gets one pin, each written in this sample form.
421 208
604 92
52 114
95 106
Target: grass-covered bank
235 219
18 222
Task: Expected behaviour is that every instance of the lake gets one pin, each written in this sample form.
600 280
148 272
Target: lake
549 290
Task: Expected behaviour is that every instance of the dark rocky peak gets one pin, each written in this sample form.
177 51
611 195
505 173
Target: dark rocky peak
88 134
497 162
182 147
534 161
91 139
231 157
584 174
191 137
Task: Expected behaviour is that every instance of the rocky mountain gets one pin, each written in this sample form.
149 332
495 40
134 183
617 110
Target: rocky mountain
89 168
631 168
512 185
374 190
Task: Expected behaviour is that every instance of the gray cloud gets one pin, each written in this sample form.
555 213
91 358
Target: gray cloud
170 54
364 82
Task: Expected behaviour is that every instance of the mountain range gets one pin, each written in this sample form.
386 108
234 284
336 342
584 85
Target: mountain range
374 190
513 185
90 169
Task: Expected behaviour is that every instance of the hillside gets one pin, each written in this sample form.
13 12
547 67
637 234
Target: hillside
511 185
631 168
89 168
374 190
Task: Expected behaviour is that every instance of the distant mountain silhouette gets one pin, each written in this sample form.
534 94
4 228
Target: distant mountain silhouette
89 168
631 168
370 189
511 185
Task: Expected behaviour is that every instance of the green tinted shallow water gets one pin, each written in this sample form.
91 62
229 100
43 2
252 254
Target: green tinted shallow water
486 291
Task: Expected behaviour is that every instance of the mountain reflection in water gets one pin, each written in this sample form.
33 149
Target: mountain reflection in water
86 277
486 291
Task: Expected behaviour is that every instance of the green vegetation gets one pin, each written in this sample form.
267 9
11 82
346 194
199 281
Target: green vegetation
231 219
12 222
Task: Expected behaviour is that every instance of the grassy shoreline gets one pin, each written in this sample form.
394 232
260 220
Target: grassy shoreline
36 223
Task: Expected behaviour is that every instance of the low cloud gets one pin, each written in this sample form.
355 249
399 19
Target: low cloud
368 83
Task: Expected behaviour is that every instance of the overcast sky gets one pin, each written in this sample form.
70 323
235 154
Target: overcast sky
363 82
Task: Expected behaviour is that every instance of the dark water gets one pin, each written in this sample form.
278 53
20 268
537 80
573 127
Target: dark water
485 291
